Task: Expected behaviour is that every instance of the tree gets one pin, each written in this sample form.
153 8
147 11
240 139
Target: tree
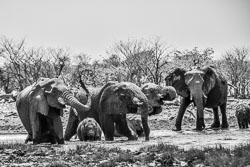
141 60
24 66
238 65
194 57
156 59
128 51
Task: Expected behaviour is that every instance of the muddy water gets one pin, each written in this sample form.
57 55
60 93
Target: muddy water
12 138
185 139
189 139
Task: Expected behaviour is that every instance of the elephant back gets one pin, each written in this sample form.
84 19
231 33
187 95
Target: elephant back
83 98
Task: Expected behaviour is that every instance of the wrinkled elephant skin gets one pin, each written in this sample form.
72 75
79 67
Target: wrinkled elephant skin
205 87
110 104
40 106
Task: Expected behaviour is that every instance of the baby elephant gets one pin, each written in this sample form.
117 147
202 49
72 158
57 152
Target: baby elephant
89 129
243 115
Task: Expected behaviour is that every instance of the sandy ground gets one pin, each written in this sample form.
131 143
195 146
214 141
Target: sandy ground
12 130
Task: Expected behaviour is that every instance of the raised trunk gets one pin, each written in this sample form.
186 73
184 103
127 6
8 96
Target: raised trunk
72 101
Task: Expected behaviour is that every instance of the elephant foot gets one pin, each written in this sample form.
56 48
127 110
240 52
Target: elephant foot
200 124
135 137
215 125
29 138
109 138
199 128
225 126
61 141
176 129
36 141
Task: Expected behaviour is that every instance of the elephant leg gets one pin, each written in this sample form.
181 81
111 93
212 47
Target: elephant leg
28 138
122 127
58 129
246 122
223 109
56 126
216 123
239 123
200 123
48 133
109 127
184 104
36 129
72 124
243 125
102 121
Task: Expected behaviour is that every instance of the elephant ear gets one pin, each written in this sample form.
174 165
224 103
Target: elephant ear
111 100
177 80
210 76
38 101
49 83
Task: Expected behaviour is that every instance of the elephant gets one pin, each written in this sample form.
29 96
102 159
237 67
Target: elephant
154 95
89 129
134 124
110 104
40 106
205 87
243 115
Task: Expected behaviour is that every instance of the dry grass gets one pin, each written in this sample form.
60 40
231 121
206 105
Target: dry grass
90 155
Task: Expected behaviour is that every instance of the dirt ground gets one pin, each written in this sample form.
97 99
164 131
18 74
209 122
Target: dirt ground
12 130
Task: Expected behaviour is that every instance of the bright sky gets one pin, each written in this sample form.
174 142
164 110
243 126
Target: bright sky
93 26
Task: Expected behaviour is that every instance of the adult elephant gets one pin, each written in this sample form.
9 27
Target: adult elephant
40 106
154 99
206 88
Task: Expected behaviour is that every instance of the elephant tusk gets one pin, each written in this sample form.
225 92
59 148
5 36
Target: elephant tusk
204 96
61 101
191 97
188 82
74 110
201 78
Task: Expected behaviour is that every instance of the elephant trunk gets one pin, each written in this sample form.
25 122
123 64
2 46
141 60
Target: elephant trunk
199 98
143 109
199 102
195 83
72 101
